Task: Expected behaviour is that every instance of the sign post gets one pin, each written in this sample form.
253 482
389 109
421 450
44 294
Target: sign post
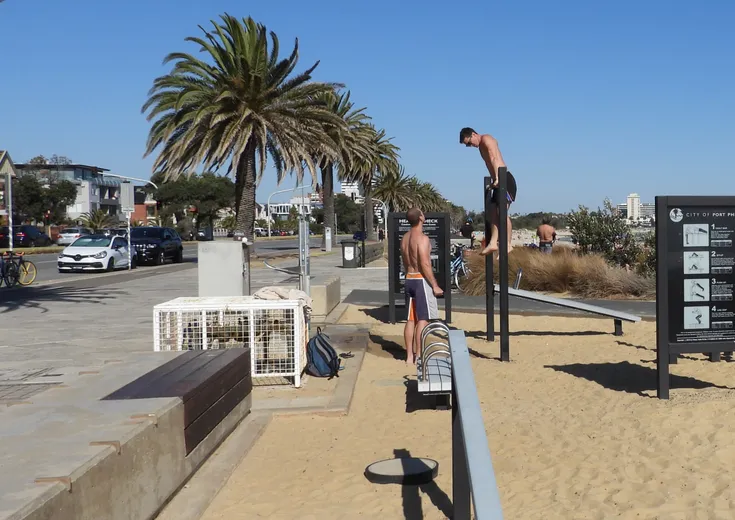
695 260
436 227
127 204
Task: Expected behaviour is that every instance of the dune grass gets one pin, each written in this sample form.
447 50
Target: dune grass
564 271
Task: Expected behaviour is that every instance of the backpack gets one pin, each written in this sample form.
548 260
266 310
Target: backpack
321 358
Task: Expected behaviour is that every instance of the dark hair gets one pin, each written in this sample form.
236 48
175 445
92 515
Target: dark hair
546 220
465 133
413 216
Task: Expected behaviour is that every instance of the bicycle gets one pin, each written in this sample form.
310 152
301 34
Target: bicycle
26 269
459 269
8 272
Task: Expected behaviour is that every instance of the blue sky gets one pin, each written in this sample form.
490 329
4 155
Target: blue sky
587 99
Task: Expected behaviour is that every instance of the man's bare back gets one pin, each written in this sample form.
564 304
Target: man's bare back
546 233
490 153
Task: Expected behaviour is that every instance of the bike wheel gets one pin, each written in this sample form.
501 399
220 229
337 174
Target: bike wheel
460 278
27 274
11 274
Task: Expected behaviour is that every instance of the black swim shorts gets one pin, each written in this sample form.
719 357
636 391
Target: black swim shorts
511 189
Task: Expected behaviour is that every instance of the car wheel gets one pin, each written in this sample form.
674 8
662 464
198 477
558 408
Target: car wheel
111 265
161 258
179 256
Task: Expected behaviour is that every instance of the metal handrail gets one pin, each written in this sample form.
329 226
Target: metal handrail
282 269
473 478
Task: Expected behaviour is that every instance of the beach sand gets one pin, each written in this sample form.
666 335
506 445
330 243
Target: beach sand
572 421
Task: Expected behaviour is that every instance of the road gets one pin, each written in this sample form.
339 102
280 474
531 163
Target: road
47 270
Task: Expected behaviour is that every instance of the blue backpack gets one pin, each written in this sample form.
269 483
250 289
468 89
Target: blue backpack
321 358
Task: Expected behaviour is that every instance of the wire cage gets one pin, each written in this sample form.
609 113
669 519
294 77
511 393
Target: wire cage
275 330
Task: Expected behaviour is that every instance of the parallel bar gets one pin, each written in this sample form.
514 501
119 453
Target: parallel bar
460 472
662 309
484 488
503 261
571 304
489 282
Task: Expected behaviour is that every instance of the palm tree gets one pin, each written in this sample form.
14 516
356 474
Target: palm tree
426 196
97 219
382 160
353 143
237 110
394 188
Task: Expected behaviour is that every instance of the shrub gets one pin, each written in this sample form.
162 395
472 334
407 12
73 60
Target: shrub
646 262
564 271
605 233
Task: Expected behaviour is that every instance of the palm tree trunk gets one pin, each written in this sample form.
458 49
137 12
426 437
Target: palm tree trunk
328 200
369 213
245 193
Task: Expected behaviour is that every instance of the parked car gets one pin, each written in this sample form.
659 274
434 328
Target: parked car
119 232
157 244
96 253
69 235
25 235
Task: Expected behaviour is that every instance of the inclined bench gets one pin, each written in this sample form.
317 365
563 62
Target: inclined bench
434 369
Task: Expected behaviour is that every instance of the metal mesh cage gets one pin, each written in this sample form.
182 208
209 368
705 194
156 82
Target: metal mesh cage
273 329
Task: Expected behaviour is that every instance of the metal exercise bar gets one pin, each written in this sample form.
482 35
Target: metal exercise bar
503 261
489 283
473 477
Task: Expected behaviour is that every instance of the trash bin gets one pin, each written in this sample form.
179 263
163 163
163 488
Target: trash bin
350 254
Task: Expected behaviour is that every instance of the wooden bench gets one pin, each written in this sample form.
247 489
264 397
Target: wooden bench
434 369
210 383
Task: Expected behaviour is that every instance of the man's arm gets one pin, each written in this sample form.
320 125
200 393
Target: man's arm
425 262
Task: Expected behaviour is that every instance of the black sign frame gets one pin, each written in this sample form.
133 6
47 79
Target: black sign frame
394 261
669 218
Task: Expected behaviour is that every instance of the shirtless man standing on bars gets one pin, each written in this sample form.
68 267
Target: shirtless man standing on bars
493 160
420 287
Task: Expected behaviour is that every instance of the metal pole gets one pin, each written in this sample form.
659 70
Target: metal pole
489 283
130 251
9 205
460 478
268 205
503 261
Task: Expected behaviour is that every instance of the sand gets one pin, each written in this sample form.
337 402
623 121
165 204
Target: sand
573 425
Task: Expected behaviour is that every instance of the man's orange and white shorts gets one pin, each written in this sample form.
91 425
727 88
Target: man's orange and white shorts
420 299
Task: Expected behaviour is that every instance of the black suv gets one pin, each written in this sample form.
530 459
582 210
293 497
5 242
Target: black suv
156 244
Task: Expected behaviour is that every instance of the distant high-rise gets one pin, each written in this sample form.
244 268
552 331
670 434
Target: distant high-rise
634 206
353 190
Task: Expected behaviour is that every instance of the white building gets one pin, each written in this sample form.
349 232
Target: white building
634 207
648 209
95 191
281 210
353 190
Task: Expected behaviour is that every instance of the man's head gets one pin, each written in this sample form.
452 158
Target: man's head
468 137
546 221
414 216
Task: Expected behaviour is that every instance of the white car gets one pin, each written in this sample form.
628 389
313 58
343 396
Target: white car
69 235
96 253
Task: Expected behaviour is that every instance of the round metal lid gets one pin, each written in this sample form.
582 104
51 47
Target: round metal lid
402 470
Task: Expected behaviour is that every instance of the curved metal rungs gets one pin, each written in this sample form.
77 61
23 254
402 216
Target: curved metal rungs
424 363
426 348
433 328
436 347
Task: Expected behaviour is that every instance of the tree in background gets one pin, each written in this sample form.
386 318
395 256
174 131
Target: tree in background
604 232
348 213
97 220
39 190
381 160
237 109
533 220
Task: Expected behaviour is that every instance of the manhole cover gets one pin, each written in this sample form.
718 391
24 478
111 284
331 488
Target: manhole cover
14 374
14 393
403 470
